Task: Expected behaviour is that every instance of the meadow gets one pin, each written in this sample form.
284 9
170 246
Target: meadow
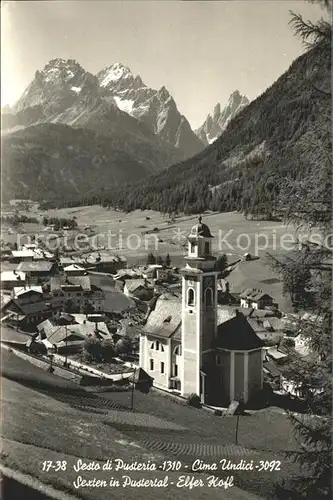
159 429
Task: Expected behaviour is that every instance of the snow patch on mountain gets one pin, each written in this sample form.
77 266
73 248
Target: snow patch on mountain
212 139
124 104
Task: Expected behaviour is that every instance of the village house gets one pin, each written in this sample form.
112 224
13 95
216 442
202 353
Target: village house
38 270
269 329
65 336
99 261
18 256
75 292
75 270
256 299
126 274
27 307
70 338
185 346
156 272
10 279
138 289
28 253
225 296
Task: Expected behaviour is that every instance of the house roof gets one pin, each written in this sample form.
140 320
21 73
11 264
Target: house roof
47 326
60 333
29 246
134 284
36 266
237 335
92 258
22 253
253 294
249 312
128 330
30 308
20 290
59 282
12 276
74 267
39 253
276 353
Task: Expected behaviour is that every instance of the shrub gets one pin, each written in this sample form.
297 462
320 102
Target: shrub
194 400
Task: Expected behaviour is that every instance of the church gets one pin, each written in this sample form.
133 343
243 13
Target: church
192 345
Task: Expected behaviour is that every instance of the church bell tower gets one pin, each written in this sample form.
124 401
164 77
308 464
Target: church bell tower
199 309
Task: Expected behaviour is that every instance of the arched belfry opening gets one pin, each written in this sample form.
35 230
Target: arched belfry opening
190 297
209 297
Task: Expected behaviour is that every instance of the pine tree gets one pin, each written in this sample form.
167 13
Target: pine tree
151 259
159 260
167 260
308 278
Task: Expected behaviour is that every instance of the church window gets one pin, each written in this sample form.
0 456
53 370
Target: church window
207 249
151 364
157 345
218 360
162 367
209 297
152 345
175 370
190 297
192 247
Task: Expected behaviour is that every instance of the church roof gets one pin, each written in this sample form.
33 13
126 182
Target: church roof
236 334
165 319
200 229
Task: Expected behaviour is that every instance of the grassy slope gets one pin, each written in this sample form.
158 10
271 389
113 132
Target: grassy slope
59 428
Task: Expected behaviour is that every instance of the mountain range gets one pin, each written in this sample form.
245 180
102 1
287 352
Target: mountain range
143 127
155 108
217 122
281 139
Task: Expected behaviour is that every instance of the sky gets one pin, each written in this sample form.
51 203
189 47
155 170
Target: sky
200 50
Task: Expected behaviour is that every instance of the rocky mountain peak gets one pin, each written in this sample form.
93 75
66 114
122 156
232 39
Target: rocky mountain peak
217 111
58 84
163 94
217 122
114 73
